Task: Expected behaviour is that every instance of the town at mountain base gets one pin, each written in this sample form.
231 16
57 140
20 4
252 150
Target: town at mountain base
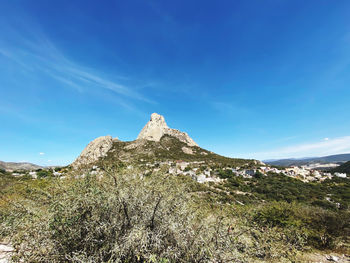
158 145
162 198
175 152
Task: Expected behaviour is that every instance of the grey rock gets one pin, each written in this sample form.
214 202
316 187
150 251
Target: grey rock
187 150
333 258
157 127
5 253
93 151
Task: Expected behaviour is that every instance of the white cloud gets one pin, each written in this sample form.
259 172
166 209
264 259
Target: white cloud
35 52
327 146
41 153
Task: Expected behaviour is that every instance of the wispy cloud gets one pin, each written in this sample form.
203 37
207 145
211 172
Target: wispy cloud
327 146
230 108
41 153
37 53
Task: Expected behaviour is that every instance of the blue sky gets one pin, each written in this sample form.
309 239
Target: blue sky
252 79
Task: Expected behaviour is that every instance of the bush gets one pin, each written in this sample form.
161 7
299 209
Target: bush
323 228
125 218
224 174
43 173
326 228
279 214
121 219
324 204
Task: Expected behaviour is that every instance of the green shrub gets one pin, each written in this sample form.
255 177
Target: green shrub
227 173
126 218
323 228
327 228
44 173
324 204
279 214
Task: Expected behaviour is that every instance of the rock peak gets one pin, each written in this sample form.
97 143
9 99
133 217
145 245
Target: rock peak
157 127
154 129
93 151
157 117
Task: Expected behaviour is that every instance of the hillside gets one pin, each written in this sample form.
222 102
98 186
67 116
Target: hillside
167 149
162 198
156 142
19 166
344 168
123 217
338 158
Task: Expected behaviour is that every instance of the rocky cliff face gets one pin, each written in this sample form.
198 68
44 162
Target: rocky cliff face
93 151
156 128
154 131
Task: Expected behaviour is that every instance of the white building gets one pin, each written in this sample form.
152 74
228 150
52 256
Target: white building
33 175
341 175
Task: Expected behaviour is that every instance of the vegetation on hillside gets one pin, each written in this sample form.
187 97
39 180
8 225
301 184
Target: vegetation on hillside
169 148
333 194
122 217
344 168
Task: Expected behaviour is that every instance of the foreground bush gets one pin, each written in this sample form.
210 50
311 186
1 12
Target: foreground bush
323 228
125 218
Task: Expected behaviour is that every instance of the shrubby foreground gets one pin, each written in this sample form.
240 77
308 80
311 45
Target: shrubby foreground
121 217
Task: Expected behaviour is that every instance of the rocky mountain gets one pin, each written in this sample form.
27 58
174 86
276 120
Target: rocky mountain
96 149
338 158
156 142
156 128
18 166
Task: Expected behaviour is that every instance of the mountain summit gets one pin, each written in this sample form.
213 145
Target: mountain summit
156 128
156 142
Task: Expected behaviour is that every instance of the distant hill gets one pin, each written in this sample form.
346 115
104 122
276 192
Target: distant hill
338 158
344 168
19 166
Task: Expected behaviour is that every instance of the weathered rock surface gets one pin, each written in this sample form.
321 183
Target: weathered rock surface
320 258
94 150
157 127
187 150
5 253
153 131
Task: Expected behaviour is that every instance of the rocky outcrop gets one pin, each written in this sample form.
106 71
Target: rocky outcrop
5 253
154 130
157 127
93 151
187 150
